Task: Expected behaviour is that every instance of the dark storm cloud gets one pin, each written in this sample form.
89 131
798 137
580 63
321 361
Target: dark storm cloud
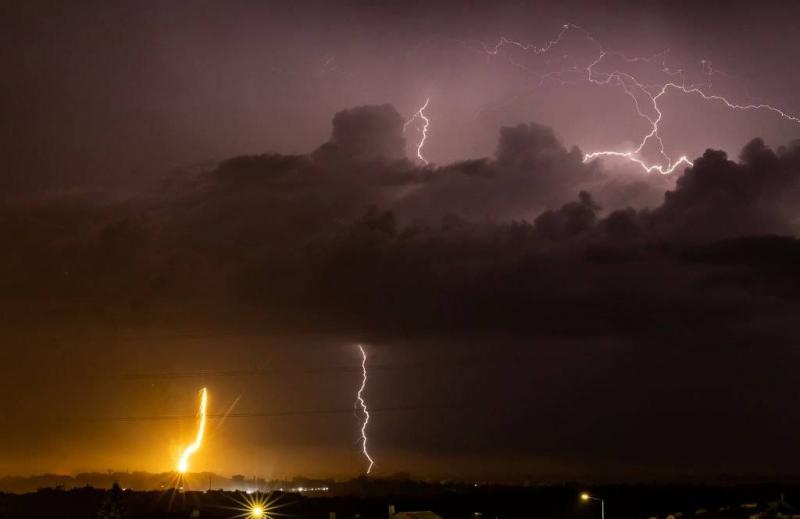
641 321
721 198
156 85
301 197
366 133
356 237
355 242
531 170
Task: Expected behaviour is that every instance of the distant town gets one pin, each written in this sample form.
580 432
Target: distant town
142 495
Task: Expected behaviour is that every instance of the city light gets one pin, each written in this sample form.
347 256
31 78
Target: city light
254 506
585 496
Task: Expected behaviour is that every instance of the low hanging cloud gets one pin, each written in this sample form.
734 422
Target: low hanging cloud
552 268
532 170
358 238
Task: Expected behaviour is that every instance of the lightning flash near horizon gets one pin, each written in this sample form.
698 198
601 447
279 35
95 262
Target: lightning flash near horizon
189 450
645 96
364 410
420 114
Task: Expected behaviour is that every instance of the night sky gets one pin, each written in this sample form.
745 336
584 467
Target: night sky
227 195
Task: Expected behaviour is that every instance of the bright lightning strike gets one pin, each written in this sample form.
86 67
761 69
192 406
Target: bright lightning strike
364 410
635 89
420 114
183 463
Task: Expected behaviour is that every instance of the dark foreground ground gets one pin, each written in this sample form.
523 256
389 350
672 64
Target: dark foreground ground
450 502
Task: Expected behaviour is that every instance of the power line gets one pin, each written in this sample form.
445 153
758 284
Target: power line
244 415
137 375
280 414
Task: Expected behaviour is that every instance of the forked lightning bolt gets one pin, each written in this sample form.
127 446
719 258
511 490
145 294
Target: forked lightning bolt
420 114
364 410
183 463
634 88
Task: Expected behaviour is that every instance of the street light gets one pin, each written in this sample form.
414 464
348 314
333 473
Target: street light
585 496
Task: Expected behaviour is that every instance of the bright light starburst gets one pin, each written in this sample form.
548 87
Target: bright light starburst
256 506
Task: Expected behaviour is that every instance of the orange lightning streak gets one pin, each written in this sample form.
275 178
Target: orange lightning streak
183 464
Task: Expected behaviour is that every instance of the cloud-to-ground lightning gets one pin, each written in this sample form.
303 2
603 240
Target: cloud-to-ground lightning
363 404
420 114
183 462
638 90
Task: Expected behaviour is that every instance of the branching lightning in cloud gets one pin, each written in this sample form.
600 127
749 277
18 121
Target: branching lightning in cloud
645 97
363 404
